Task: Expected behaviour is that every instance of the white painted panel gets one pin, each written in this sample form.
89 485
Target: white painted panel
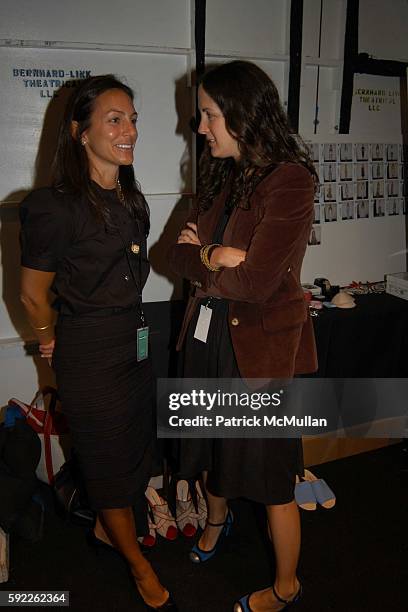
307 110
329 101
259 26
311 24
132 22
162 99
383 29
360 250
333 29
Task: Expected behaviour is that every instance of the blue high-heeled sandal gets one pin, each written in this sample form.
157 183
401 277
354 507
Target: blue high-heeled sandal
197 555
243 604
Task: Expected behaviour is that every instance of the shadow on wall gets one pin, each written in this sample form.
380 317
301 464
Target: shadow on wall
10 229
158 251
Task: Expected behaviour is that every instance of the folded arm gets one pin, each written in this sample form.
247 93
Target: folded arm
278 239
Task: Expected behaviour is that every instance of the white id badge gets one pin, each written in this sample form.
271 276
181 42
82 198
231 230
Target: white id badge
203 324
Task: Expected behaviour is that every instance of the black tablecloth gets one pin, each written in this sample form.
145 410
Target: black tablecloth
370 340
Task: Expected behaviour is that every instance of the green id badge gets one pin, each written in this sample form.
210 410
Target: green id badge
142 343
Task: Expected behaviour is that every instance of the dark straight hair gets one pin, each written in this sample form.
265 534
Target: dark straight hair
254 116
70 172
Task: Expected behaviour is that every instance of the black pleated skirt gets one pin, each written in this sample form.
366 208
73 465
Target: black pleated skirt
263 470
107 397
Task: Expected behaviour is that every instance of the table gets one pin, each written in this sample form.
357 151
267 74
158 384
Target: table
370 340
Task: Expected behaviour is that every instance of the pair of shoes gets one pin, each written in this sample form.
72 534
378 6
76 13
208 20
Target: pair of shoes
169 605
186 515
311 490
201 506
304 496
243 604
197 555
163 520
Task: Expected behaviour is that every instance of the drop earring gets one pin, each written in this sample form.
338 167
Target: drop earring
83 142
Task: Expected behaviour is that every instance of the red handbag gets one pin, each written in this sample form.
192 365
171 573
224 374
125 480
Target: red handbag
52 429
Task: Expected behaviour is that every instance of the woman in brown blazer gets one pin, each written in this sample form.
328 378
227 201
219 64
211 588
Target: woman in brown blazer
242 249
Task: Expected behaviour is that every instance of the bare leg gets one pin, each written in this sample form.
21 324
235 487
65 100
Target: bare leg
217 512
119 526
284 525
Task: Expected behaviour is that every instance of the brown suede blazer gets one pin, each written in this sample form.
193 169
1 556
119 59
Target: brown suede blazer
271 330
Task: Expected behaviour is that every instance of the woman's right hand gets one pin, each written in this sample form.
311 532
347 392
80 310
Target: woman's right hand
47 350
227 257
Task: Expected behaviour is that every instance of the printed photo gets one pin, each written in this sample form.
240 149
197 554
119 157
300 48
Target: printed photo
392 152
330 212
377 171
329 152
392 189
329 192
377 152
393 170
315 237
314 150
329 172
347 191
379 208
363 209
346 151
362 152
377 189
361 171
346 172
317 214
362 190
347 211
393 207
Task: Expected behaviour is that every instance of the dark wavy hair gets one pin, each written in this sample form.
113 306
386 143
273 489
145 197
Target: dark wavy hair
70 172
254 116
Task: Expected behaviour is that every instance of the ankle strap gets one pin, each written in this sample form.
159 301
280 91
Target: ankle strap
215 524
287 602
278 597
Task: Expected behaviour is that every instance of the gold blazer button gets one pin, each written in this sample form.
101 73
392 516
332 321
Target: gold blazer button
234 322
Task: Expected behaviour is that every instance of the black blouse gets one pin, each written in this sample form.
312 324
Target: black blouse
61 234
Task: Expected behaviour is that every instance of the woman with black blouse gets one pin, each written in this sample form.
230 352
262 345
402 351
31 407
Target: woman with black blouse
85 240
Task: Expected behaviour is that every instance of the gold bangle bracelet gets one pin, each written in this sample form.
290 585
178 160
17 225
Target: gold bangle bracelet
42 328
205 259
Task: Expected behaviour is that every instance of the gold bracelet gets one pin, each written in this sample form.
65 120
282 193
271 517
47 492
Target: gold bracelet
42 328
205 259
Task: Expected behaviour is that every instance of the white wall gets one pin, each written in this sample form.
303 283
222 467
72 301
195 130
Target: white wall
150 42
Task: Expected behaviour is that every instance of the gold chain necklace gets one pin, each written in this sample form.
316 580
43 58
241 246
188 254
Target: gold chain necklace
135 248
120 192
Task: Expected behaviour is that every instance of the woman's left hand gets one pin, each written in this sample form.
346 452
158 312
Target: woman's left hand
189 235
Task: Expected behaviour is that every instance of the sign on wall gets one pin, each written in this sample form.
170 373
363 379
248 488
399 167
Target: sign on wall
35 86
376 107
